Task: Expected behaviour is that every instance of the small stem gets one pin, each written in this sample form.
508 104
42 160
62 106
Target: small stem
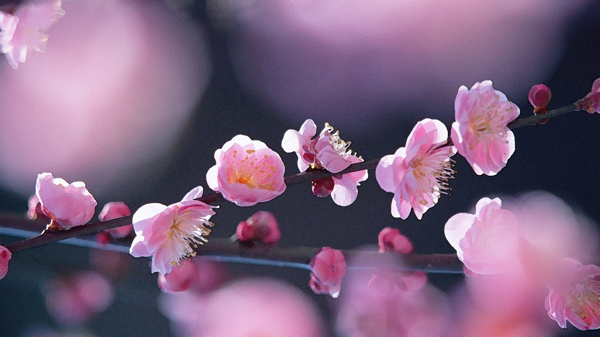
49 237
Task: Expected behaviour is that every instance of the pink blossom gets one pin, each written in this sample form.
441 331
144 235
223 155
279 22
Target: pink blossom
26 29
261 226
390 240
591 102
418 173
68 205
170 233
5 256
181 277
34 209
576 297
328 269
480 132
76 299
247 172
539 96
487 241
113 210
326 151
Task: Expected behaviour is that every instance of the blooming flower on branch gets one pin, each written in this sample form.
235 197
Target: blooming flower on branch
328 152
247 172
328 269
26 29
261 226
170 233
67 205
576 297
487 241
480 132
591 102
418 173
5 256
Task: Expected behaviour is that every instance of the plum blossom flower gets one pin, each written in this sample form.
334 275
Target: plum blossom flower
418 173
328 269
326 151
67 205
34 209
576 297
181 278
390 240
487 241
5 256
480 132
261 226
170 233
113 210
591 102
26 29
247 172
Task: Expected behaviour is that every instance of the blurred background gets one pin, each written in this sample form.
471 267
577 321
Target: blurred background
133 98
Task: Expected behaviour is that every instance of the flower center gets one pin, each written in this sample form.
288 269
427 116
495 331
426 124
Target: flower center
433 172
251 171
584 300
491 123
186 233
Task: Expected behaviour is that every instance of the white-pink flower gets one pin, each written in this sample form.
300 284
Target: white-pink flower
576 297
486 242
247 172
170 233
418 173
480 132
26 29
326 151
328 270
5 256
68 205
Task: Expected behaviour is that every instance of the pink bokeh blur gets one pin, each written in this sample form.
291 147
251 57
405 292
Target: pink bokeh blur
110 95
348 61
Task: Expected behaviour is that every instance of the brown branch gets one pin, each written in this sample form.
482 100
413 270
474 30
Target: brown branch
50 237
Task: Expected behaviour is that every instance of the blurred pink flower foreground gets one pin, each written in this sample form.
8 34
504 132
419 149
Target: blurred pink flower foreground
577 297
487 241
68 205
326 151
26 29
5 256
247 172
170 233
418 173
328 270
480 133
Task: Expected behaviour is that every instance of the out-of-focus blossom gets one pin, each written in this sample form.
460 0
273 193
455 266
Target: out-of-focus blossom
68 205
591 102
390 240
247 172
26 29
539 96
5 256
351 60
480 133
418 173
328 270
576 297
181 277
113 210
486 242
34 209
255 307
326 151
379 301
170 233
117 125
110 263
76 299
261 226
